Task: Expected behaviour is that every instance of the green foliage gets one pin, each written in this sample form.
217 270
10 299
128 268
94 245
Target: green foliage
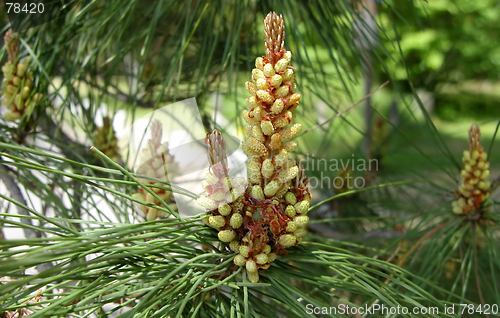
394 242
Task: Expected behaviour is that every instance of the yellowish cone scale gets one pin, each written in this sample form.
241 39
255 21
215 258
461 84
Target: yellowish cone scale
250 88
236 220
226 235
262 85
302 207
251 265
269 70
291 226
224 209
253 276
281 65
301 220
265 96
267 249
259 63
244 250
287 240
271 188
267 168
278 106
235 246
240 260
290 211
207 203
267 127
276 80
257 192
216 221
252 101
261 258
275 142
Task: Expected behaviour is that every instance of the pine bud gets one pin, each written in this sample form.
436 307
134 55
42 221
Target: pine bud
288 76
281 65
301 220
256 74
226 235
248 131
258 113
283 91
275 142
291 226
271 188
253 172
288 174
287 56
259 63
235 247
240 260
16 80
216 221
224 209
252 101
293 99
278 106
236 220
291 132
256 192
271 257
290 145
266 249
253 277
244 250
257 133
276 80
211 178
300 232
302 207
262 84
281 158
269 70
290 198
251 266
152 214
281 122
267 168
290 211
254 147
261 258
485 175
218 196
21 69
265 96
287 240
267 127
249 118
250 88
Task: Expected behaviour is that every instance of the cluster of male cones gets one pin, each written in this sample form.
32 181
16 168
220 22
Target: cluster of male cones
475 185
17 85
262 216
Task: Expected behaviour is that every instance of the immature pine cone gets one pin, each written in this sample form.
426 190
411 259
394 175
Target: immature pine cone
475 185
17 83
